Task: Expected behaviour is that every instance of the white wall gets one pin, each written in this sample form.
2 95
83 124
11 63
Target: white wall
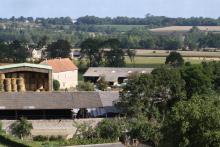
67 79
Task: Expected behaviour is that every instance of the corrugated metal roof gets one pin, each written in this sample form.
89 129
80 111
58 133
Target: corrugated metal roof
112 74
55 100
25 65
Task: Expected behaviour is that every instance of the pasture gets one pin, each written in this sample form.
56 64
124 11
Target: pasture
165 53
158 61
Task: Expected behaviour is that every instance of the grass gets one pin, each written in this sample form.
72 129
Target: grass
155 61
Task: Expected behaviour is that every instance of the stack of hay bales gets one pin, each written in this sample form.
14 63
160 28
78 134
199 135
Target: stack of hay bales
21 85
7 84
2 77
14 84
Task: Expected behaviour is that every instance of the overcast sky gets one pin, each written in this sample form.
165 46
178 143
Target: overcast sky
112 8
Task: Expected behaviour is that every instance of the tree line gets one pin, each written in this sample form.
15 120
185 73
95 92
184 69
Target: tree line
149 20
39 20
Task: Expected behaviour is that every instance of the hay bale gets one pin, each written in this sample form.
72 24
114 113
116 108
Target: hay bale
2 76
21 85
2 85
7 84
21 75
14 87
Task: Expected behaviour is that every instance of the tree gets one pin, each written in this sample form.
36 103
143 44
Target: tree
195 122
17 52
114 57
175 59
42 42
21 128
109 129
56 85
60 48
85 86
91 49
196 80
152 95
131 54
102 84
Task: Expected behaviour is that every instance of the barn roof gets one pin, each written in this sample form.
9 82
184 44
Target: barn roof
112 74
25 65
60 65
55 100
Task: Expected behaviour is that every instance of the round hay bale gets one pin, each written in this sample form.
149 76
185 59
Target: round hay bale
2 76
2 85
21 88
14 88
14 81
7 84
20 81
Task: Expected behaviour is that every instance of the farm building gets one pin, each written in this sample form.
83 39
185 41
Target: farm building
112 75
25 77
57 105
65 71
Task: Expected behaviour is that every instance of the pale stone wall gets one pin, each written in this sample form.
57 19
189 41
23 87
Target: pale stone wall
67 79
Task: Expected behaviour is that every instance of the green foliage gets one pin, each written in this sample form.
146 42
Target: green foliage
21 128
197 81
146 131
60 48
102 84
143 92
109 129
17 52
195 122
91 50
56 85
85 86
175 59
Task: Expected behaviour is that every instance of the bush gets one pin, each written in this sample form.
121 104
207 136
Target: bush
85 86
40 138
56 85
56 138
109 129
21 128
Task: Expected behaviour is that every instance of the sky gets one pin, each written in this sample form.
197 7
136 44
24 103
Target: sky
111 8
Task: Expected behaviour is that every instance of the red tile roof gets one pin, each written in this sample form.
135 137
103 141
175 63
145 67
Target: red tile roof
60 65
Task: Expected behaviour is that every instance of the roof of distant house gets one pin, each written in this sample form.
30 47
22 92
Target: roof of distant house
60 65
112 74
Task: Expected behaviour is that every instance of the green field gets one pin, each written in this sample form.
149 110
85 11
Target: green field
156 61
121 28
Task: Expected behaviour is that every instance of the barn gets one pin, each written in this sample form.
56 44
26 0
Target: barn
57 105
25 77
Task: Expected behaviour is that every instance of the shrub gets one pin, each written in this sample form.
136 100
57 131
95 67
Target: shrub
21 128
56 85
109 129
85 86
40 138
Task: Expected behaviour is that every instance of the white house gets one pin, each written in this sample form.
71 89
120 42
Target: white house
65 71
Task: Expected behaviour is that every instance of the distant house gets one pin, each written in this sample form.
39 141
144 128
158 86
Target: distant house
65 71
112 75
74 53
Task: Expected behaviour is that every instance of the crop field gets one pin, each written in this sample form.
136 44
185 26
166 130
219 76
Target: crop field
121 28
164 53
158 61
185 29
